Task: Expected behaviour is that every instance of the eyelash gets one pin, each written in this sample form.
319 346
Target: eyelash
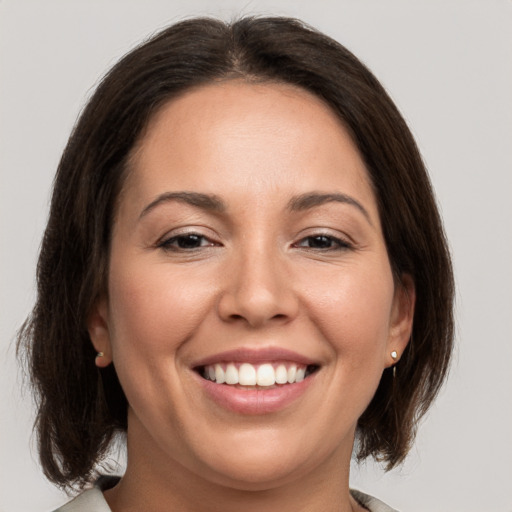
339 244
173 243
167 244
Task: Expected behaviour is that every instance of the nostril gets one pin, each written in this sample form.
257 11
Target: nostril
257 303
257 321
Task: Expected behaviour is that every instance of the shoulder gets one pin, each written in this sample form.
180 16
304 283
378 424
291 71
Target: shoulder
371 503
91 500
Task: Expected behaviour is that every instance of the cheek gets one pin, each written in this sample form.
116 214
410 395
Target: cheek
352 307
153 311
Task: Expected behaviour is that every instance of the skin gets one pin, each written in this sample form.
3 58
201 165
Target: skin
257 278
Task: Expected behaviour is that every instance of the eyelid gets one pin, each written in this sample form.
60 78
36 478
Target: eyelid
199 231
334 234
165 243
340 244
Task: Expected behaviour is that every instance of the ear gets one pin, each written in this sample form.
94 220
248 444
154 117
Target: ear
401 321
97 325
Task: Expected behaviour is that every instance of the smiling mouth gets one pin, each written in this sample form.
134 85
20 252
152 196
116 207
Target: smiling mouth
255 376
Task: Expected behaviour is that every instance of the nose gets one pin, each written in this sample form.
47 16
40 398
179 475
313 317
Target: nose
258 290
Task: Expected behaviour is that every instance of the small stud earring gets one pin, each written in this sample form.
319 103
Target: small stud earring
394 356
100 354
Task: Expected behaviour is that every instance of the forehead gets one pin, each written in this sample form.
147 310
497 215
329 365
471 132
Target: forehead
239 138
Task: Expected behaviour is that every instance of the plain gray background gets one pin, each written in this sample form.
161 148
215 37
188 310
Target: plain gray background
448 66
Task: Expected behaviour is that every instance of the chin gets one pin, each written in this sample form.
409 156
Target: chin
256 475
265 463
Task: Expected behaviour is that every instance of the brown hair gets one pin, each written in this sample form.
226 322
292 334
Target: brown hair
80 408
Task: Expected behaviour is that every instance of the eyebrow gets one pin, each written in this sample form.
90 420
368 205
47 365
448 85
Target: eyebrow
213 203
314 199
208 202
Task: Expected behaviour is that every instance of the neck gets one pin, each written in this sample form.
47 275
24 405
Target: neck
153 481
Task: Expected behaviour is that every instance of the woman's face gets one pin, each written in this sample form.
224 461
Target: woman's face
248 247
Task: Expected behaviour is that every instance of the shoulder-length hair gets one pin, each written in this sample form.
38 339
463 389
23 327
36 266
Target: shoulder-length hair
80 408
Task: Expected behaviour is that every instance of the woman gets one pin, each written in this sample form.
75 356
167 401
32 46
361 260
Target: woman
244 270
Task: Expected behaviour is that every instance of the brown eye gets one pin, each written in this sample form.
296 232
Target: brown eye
319 242
185 242
323 242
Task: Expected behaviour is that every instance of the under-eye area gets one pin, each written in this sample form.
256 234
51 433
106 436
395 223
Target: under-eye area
247 375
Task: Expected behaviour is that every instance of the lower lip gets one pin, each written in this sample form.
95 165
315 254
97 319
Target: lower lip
255 401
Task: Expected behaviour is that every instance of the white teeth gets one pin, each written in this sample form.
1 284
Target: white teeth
292 371
281 374
247 375
266 376
231 374
220 377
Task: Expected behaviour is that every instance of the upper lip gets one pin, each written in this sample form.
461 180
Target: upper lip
255 356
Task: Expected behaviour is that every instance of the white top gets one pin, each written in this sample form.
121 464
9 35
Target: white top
92 500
